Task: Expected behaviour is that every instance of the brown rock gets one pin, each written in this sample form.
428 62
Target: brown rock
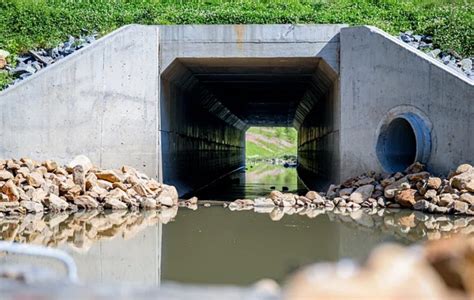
418 176
388 272
406 198
434 183
415 168
11 190
153 185
445 200
312 195
65 186
5 175
35 179
467 197
120 185
91 181
276 195
109 175
142 190
463 180
463 169
388 181
50 165
408 221
391 189
459 206
453 260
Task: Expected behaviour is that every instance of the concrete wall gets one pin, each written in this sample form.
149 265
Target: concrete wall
380 77
101 102
197 146
318 134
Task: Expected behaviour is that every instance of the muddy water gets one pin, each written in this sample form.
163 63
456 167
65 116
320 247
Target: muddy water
215 245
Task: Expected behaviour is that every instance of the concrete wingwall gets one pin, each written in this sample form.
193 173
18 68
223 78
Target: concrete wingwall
382 78
100 101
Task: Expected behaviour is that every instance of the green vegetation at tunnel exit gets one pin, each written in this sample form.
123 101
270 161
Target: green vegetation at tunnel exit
270 142
28 24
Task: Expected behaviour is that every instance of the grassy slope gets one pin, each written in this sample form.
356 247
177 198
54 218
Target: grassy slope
27 24
268 142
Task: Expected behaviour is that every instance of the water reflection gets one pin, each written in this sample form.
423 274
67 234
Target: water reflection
255 180
216 245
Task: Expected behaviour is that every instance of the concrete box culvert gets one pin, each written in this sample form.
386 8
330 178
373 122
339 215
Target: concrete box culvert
403 140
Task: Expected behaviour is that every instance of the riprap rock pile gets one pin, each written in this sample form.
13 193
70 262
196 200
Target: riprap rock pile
30 186
415 189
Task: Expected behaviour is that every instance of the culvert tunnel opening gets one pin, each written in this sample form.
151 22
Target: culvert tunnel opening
207 105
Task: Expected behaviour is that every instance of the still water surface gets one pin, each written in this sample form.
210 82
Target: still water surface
215 245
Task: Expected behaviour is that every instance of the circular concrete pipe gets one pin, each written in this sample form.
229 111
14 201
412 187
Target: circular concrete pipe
402 141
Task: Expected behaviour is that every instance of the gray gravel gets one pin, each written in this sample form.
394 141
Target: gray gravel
451 58
36 60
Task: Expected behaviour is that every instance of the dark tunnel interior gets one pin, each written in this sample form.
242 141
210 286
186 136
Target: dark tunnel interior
208 104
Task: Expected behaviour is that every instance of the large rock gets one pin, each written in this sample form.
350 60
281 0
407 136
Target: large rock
109 175
467 197
434 183
464 180
35 179
85 202
263 202
55 203
445 200
362 193
406 198
81 160
388 274
11 190
114 203
165 200
391 189
31 206
459 207
453 260
5 175
170 191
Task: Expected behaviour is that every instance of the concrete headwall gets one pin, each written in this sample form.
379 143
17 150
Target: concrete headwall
101 101
175 101
381 77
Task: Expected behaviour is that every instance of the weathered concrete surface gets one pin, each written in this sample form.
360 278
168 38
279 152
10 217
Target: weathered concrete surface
101 101
380 77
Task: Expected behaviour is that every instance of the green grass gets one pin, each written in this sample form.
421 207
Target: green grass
271 142
27 24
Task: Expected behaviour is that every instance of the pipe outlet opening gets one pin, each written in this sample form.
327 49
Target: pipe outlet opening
402 141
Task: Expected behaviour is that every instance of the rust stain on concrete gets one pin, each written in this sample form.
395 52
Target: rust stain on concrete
239 31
